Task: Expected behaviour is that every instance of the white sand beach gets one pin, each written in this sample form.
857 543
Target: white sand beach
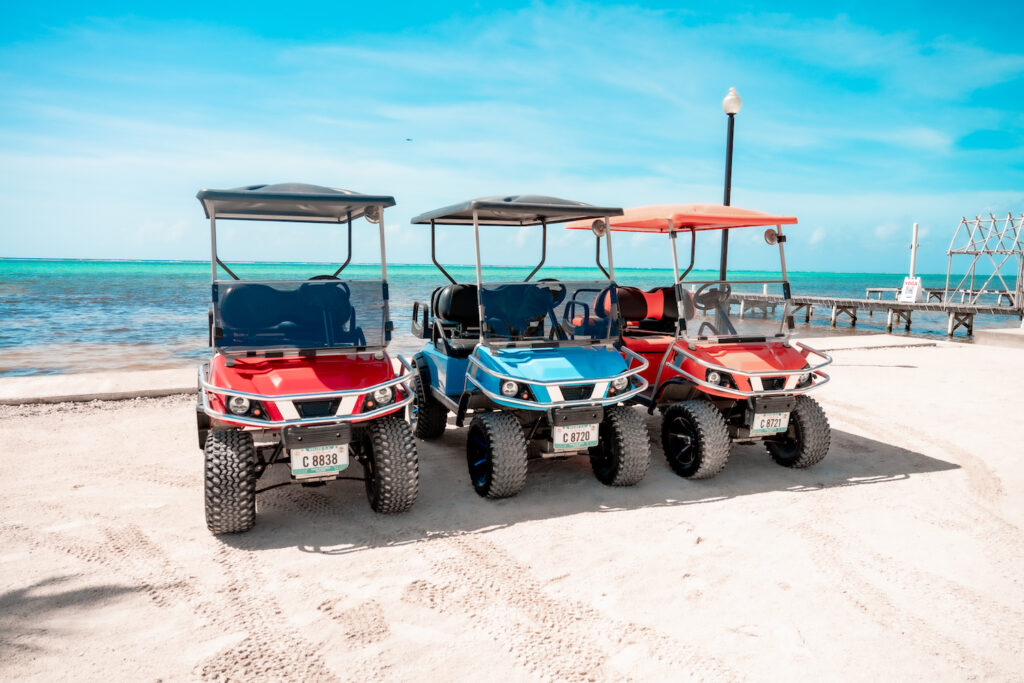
898 557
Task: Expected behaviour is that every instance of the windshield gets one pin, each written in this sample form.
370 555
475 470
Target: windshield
549 310
711 309
315 314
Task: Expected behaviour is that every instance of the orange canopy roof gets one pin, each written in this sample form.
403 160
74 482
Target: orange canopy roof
697 216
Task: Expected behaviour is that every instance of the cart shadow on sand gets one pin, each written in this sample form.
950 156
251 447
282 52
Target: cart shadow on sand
43 599
334 520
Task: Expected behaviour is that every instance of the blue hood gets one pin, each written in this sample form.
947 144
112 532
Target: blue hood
565 363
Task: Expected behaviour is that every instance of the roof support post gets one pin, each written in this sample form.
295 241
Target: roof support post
349 257
543 249
433 252
597 244
787 295
675 256
677 285
213 247
608 243
479 274
383 249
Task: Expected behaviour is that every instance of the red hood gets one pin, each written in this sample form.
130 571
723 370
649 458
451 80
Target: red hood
752 357
278 376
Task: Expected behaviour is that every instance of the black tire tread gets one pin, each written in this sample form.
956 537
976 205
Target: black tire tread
395 468
230 481
432 415
713 439
504 435
631 443
815 433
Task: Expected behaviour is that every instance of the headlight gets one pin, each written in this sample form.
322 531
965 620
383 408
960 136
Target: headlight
714 378
238 405
620 383
804 377
509 388
383 395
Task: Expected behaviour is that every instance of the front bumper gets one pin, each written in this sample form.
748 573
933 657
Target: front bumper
599 395
285 402
677 354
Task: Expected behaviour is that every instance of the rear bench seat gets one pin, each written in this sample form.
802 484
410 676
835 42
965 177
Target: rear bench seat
649 311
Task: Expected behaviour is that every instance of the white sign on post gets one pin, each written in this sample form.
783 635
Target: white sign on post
912 292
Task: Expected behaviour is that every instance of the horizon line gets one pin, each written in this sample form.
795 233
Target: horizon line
455 265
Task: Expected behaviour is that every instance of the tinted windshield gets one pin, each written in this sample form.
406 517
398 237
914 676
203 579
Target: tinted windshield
317 314
549 310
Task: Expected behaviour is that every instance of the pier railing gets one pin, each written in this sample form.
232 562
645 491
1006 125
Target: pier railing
959 315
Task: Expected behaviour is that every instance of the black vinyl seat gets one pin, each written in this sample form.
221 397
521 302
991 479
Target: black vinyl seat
455 307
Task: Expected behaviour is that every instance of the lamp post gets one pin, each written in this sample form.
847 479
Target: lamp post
731 106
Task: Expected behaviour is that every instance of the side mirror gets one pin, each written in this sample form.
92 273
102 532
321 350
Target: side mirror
599 228
771 237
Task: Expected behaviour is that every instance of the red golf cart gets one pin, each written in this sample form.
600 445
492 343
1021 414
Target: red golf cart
299 375
714 384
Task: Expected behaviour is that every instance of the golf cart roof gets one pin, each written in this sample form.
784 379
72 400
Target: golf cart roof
290 202
659 218
522 209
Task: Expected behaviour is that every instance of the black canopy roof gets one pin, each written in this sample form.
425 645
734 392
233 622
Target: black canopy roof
289 202
523 209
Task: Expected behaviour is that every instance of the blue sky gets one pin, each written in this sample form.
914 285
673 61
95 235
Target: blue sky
858 120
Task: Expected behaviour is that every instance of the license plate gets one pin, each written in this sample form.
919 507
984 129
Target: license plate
769 423
575 436
319 461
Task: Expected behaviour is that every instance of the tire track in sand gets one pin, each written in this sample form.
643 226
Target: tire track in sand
1004 539
867 589
270 647
554 639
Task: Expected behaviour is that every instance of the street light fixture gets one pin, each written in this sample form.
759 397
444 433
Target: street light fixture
731 106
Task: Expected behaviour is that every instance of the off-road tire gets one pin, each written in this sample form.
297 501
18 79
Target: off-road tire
709 445
230 486
427 415
623 454
391 465
809 436
496 455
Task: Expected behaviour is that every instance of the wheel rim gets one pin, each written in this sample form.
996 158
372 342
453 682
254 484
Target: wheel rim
478 458
414 407
682 441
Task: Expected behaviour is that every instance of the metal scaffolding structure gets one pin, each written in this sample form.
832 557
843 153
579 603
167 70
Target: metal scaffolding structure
998 242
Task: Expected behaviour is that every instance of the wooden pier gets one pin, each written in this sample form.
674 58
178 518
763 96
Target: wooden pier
939 294
897 313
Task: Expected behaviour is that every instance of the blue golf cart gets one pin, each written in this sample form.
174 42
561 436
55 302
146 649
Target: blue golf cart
534 363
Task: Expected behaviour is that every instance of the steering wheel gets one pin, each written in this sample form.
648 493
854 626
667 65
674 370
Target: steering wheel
325 277
712 298
711 328
557 293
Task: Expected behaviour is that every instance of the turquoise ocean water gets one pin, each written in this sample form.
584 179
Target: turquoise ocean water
59 316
